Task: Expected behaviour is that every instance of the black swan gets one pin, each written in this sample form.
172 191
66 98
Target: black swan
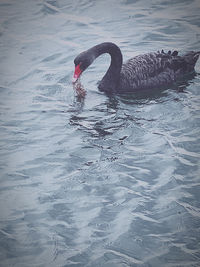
152 70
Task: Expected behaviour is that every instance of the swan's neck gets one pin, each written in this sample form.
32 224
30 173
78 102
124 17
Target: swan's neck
111 79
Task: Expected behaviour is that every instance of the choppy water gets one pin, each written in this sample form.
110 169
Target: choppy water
99 181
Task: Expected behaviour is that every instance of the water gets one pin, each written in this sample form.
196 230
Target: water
100 181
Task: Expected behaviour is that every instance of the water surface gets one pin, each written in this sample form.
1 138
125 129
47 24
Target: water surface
99 181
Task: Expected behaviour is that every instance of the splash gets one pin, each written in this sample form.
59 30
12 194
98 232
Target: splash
78 88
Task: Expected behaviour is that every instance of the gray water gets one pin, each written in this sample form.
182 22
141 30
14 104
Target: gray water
96 181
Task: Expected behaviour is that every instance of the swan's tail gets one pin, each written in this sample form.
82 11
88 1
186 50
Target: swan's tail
192 57
190 60
197 55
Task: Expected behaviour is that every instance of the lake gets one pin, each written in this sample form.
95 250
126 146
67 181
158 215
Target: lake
100 180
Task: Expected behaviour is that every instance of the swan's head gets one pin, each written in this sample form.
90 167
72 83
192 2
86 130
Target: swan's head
82 62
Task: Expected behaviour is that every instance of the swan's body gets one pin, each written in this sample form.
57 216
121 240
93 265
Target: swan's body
146 71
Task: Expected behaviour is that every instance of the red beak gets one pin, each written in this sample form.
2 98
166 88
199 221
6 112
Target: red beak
77 72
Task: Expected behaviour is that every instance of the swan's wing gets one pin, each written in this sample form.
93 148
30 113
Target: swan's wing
148 65
156 69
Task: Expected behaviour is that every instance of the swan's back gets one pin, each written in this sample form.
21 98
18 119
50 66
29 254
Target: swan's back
155 69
